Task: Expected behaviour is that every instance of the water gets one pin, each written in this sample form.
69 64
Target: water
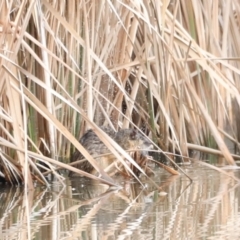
208 208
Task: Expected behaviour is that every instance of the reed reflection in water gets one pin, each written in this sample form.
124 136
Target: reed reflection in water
209 208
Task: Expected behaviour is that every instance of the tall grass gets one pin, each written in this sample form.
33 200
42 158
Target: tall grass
169 68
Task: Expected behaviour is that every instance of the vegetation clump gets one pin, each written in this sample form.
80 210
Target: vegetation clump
168 68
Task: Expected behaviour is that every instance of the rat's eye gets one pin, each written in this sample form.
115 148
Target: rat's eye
133 134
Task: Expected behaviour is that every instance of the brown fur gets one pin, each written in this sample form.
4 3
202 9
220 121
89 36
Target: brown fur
127 138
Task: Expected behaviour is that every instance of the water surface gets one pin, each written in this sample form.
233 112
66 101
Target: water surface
207 208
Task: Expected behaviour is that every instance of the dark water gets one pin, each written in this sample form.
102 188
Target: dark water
208 208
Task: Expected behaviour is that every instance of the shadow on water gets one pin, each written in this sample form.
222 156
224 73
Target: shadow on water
209 208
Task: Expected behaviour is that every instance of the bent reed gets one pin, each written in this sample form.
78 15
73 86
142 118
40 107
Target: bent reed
170 68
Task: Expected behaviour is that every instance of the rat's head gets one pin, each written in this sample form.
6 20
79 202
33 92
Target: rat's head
133 139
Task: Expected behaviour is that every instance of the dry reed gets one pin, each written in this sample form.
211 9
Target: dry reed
168 67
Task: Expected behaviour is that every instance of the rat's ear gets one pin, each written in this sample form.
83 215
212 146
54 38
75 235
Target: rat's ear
133 134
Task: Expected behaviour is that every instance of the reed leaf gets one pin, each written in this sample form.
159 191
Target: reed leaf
167 68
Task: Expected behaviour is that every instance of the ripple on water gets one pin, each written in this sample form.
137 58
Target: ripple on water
208 208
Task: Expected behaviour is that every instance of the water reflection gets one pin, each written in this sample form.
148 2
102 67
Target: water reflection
209 208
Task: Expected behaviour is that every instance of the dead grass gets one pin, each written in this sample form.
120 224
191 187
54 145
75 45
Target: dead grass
169 67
